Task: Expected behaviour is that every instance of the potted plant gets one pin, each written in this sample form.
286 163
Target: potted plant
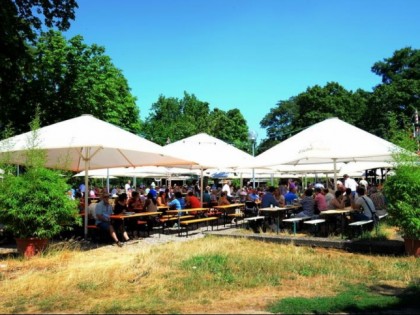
34 205
402 193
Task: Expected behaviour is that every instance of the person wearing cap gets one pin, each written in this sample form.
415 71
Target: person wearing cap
103 211
153 190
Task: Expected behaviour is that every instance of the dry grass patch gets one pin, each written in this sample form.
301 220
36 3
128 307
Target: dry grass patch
209 275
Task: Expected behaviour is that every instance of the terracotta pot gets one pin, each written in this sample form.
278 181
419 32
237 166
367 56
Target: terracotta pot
29 247
412 247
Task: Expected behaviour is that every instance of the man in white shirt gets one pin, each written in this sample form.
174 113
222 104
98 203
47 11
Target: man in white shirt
350 183
226 189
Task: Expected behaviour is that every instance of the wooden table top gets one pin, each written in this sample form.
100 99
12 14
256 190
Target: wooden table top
336 211
274 209
233 205
188 210
133 215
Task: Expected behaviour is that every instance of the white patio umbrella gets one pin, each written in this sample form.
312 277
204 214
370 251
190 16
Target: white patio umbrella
328 142
86 143
208 152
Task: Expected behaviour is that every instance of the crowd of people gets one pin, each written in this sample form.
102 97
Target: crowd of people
313 200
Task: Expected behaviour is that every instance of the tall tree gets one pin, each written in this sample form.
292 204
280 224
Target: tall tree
70 78
172 119
398 94
19 22
312 106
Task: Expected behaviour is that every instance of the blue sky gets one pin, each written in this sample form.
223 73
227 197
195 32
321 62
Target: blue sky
246 54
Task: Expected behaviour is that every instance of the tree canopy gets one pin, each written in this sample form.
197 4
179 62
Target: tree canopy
397 95
20 20
70 78
171 119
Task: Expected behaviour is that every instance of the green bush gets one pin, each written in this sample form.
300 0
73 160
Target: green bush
35 204
402 192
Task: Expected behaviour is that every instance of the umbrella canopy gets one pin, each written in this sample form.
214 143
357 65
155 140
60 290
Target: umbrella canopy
141 171
331 141
208 152
86 143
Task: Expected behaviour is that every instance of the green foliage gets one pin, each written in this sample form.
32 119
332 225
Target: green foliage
402 188
312 106
69 78
19 23
355 299
397 96
402 191
35 203
189 116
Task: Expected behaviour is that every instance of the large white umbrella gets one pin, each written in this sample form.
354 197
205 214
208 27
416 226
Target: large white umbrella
328 142
86 143
208 152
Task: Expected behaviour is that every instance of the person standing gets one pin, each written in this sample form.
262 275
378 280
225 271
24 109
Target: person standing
127 188
226 189
350 183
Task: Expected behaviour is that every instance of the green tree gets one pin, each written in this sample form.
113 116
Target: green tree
70 78
174 119
310 107
398 94
19 23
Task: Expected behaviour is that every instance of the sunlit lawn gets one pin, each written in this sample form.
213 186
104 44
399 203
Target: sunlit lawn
209 275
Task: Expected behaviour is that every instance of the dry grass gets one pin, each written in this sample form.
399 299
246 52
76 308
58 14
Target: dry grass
210 275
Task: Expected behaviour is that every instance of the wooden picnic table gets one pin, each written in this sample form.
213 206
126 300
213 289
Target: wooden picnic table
278 210
226 208
187 210
131 215
335 212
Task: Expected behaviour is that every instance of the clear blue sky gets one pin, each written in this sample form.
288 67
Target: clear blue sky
246 54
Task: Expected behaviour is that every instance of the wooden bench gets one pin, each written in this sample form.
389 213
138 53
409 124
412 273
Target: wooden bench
315 224
295 221
360 224
252 222
236 216
170 218
97 234
186 223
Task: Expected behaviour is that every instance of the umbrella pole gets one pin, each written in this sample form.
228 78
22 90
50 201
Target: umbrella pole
107 180
86 192
201 184
335 174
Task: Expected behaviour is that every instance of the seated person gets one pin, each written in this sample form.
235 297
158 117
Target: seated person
319 200
223 199
207 197
337 202
291 196
279 197
347 196
378 200
268 200
134 203
161 198
307 204
192 201
103 211
178 203
121 204
253 196
150 205
365 209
